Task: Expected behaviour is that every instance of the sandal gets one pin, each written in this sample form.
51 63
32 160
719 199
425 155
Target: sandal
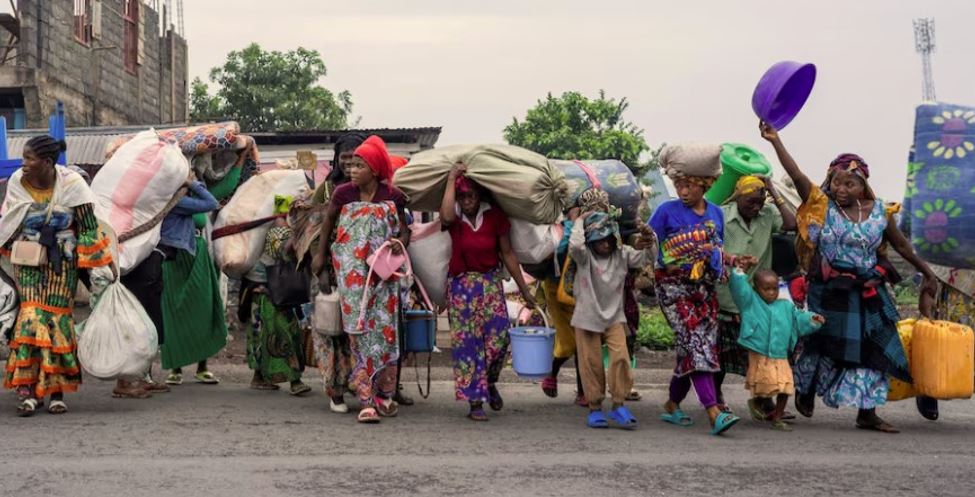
130 391
677 418
338 407
756 411
550 386
153 387
174 379
634 396
477 414
368 416
494 398
263 385
582 401
780 425
723 423
806 404
299 389
27 407
623 418
57 407
882 426
597 419
387 408
206 378
403 399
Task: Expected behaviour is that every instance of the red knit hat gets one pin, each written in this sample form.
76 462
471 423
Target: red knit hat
374 152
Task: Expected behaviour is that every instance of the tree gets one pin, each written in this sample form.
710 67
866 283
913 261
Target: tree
272 91
573 126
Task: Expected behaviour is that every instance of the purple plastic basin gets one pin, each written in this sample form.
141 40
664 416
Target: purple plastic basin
782 91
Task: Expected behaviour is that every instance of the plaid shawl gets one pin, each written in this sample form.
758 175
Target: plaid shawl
861 320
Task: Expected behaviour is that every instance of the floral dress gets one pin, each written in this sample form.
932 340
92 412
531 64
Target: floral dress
840 242
364 227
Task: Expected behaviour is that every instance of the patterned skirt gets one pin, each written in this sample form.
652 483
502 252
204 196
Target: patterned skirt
691 309
479 333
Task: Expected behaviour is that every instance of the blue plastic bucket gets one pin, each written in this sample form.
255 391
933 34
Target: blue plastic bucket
531 350
421 331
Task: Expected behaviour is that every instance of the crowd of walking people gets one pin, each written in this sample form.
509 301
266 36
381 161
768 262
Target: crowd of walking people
836 338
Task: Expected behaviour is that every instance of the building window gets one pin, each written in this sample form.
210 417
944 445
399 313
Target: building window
82 22
131 19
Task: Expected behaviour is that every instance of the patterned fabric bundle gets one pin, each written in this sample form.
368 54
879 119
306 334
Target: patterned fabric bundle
694 248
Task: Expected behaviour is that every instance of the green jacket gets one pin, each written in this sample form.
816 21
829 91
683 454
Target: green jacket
768 329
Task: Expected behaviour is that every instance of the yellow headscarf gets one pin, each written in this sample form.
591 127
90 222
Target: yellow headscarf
748 184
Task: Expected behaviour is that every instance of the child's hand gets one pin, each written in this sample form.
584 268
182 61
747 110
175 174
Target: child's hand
746 262
818 319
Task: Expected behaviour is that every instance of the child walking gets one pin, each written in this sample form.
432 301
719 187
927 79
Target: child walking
770 329
602 263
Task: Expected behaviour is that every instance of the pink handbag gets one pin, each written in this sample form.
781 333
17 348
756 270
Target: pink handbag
393 269
386 264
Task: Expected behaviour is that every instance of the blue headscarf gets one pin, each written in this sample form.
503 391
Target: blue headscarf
600 226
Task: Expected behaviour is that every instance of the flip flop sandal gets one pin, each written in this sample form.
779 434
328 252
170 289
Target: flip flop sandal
387 408
623 418
781 426
582 401
402 399
264 386
883 427
805 405
723 423
597 419
724 408
477 414
494 398
206 378
174 379
368 416
299 389
677 418
788 416
634 396
57 407
27 408
550 387
131 393
756 411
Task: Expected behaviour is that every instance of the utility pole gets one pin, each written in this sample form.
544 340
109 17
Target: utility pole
924 43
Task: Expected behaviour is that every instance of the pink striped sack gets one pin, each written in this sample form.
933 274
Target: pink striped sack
134 186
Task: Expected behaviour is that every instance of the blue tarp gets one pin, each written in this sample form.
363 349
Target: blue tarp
939 203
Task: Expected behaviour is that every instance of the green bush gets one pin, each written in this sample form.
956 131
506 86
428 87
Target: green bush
654 332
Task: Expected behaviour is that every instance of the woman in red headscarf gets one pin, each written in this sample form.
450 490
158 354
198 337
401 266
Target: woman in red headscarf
844 231
367 212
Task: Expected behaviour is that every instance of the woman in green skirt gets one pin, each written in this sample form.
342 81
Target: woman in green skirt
193 314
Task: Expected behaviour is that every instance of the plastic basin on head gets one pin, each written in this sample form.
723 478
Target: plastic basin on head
531 350
782 91
421 331
737 160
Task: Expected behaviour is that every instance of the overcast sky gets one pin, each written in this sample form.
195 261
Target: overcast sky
687 68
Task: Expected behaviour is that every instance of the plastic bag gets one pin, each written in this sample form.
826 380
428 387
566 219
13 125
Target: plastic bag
430 250
118 339
534 243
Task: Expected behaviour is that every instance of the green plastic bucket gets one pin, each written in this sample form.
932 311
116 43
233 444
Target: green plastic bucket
737 160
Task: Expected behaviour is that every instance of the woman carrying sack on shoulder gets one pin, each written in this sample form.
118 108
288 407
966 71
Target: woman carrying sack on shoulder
274 347
366 214
477 308
49 231
843 234
191 303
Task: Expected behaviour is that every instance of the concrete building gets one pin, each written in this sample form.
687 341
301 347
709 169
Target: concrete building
112 62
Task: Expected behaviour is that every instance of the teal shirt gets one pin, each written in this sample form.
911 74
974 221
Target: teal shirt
754 239
771 330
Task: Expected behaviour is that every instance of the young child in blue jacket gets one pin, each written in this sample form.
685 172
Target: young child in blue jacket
770 329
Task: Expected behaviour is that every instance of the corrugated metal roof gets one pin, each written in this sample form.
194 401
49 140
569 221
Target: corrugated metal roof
87 145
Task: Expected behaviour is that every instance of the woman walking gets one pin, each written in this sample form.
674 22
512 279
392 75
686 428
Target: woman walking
48 216
366 214
843 232
690 230
191 303
477 311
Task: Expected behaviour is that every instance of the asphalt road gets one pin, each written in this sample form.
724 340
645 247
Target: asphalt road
228 440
